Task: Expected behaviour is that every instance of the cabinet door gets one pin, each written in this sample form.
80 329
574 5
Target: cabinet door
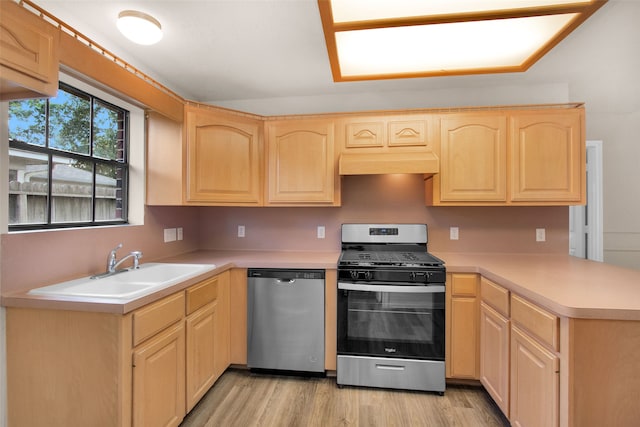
494 356
473 158
28 54
302 164
548 157
159 380
223 159
201 334
534 382
463 331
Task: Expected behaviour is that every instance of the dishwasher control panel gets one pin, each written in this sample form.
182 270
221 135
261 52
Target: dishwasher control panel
274 273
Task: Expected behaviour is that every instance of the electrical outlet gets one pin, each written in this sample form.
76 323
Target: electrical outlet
169 235
453 233
321 232
540 235
180 233
241 231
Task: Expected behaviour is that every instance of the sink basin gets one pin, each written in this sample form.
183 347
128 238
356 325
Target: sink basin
128 284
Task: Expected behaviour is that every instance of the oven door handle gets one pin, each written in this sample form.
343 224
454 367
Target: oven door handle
430 289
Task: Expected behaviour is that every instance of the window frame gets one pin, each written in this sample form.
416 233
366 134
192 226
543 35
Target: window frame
90 158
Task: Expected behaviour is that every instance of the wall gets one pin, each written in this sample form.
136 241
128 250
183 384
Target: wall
596 64
386 198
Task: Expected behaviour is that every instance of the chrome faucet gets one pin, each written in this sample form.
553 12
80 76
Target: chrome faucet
113 263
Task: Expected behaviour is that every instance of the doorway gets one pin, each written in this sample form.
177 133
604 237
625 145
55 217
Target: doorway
585 222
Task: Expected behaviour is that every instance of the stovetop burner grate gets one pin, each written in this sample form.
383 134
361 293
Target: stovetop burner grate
355 257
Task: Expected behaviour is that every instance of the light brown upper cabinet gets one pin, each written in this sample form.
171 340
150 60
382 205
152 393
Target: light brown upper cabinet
511 157
386 144
473 157
386 133
28 54
547 156
301 163
224 158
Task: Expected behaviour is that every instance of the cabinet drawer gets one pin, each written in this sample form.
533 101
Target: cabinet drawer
153 318
542 324
201 294
495 296
464 285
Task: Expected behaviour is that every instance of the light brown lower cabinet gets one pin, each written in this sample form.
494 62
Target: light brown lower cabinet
494 355
201 332
462 326
159 380
534 382
145 368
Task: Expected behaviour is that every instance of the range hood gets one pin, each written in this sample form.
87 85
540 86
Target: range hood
388 163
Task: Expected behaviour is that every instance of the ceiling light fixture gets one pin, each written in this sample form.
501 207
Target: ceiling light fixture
139 27
380 39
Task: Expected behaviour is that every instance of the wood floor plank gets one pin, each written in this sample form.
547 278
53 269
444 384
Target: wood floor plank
243 399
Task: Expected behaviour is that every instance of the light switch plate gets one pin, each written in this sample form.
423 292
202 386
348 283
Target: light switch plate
541 235
169 235
321 232
453 233
241 231
179 233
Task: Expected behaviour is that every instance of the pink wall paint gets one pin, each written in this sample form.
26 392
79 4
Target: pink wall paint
386 198
34 259
39 258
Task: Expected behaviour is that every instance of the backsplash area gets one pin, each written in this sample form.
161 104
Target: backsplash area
66 254
386 199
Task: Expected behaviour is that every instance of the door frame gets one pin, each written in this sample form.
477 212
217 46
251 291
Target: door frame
586 222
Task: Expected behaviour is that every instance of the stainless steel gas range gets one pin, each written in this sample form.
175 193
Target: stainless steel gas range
391 309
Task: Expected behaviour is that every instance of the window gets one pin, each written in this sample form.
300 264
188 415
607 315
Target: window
68 161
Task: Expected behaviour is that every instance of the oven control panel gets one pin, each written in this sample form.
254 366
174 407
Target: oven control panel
356 274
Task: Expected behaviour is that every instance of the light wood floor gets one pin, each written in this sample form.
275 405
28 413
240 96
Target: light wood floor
240 398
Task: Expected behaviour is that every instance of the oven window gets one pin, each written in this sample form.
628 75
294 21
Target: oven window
388 316
393 324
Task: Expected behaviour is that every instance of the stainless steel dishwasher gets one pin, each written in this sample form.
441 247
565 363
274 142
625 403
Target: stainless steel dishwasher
285 320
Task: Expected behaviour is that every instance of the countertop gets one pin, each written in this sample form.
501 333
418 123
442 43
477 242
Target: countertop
565 285
223 260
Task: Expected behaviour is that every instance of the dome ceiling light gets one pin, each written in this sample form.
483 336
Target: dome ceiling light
139 27
381 39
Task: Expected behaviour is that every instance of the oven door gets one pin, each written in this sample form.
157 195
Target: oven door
388 320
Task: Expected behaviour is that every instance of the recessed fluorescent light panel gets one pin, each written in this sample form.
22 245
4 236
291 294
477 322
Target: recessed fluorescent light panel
381 39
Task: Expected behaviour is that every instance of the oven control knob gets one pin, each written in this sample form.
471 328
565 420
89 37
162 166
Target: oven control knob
412 275
367 275
354 274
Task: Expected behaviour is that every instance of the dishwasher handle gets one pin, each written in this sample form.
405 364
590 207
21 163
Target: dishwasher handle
285 281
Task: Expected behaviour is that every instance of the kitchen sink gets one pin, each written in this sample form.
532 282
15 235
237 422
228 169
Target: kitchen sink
127 284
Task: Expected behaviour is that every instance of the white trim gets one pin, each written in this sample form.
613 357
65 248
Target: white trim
595 246
591 247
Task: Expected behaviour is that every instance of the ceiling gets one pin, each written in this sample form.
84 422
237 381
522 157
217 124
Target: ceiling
220 50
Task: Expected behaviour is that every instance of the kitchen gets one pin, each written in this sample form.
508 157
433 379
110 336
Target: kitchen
378 198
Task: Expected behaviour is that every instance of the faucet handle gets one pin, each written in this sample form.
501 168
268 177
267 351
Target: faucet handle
111 259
